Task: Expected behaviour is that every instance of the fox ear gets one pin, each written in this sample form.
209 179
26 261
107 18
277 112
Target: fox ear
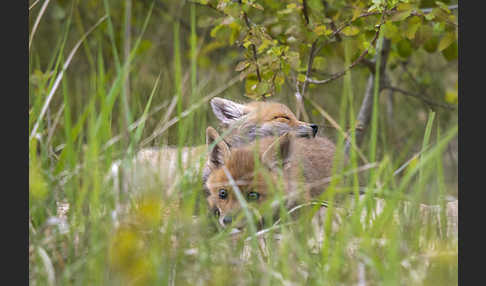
226 110
280 149
219 153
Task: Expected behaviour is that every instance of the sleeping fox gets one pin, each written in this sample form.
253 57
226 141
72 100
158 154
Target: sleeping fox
301 166
243 123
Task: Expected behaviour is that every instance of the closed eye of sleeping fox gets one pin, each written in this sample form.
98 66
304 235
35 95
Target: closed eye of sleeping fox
288 160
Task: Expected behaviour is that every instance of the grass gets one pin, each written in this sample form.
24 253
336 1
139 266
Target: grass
111 238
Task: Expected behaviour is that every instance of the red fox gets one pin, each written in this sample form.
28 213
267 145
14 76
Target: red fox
303 161
243 123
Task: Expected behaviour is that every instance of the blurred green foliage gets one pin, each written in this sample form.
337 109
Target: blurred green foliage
251 50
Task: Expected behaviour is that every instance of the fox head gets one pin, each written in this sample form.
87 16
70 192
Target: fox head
235 170
258 119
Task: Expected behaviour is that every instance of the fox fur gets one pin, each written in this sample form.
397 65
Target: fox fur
301 164
157 167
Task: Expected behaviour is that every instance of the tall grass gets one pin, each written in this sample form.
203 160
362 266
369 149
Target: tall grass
83 232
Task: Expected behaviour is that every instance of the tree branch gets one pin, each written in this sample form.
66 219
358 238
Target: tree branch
426 100
365 111
358 60
361 57
305 12
369 64
387 13
332 24
428 10
312 54
247 22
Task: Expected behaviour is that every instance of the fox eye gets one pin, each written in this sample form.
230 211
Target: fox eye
223 194
282 117
253 196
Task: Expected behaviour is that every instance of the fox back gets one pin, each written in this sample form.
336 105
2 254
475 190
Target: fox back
156 167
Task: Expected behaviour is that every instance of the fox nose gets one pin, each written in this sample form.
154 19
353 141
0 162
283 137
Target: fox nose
227 220
314 129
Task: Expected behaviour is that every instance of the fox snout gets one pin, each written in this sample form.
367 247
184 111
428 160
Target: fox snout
236 219
307 130
227 219
314 129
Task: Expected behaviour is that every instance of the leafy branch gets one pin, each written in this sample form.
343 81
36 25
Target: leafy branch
357 61
361 58
274 48
253 48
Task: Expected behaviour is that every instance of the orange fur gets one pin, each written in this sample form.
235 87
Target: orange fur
303 162
156 167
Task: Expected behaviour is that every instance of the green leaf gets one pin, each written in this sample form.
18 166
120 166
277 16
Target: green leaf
315 5
279 80
431 44
413 24
448 39
403 11
423 34
242 65
266 74
233 9
443 6
291 6
264 45
215 30
319 63
404 48
439 27
256 6
430 16
251 84
301 77
235 32
350 31
322 30
451 96
400 16
356 13
262 88
404 6
390 31
246 44
450 53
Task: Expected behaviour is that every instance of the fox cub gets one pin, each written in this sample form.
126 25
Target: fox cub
258 119
299 165
157 167
245 123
